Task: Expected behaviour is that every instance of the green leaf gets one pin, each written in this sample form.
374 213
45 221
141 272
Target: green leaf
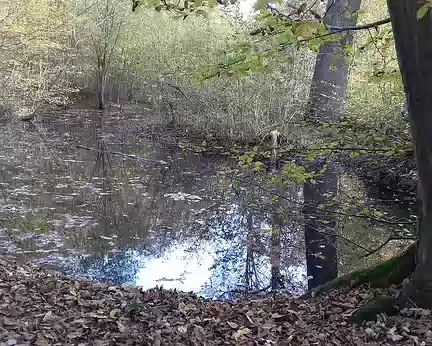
287 37
259 165
308 28
422 11
312 157
379 213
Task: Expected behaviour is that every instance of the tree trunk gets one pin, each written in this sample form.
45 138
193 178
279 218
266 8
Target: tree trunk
326 103
101 79
330 80
413 39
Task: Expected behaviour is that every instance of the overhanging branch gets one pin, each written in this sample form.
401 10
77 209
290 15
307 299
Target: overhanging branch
335 29
373 25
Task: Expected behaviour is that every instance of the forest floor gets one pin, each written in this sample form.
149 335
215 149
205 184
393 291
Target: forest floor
42 307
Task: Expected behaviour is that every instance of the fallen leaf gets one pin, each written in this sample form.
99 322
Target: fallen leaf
50 317
115 313
122 328
232 324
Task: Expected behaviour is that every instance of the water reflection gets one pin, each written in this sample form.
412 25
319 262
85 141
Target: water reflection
130 210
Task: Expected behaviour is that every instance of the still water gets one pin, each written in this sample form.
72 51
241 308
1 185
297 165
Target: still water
96 198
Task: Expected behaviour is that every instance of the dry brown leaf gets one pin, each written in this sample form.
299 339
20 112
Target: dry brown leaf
50 317
122 328
232 324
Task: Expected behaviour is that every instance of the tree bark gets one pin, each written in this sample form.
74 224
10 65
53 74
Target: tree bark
330 80
413 40
326 103
101 77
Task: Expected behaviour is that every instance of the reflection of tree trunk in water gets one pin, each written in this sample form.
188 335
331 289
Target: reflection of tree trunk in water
249 253
101 167
252 281
276 246
326 103
275 253
320 238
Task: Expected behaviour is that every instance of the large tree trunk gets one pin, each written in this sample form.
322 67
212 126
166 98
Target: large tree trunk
330 80
413 39
326 103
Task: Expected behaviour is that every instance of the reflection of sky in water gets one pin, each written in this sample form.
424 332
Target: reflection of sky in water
178 269
209 267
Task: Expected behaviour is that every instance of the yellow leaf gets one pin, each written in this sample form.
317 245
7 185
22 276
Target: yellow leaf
422 11
115 313
243 331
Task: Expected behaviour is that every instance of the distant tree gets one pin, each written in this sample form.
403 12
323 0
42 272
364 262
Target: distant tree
104 23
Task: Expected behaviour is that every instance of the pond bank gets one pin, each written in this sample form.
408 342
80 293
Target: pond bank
42 307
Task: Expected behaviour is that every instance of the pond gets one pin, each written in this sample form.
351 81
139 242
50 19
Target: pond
95 197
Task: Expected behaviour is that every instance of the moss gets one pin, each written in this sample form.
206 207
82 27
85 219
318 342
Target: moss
380 305
385 274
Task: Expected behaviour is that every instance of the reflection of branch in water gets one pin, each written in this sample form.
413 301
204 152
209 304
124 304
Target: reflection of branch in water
335 234
103 162
43 139
252 280
3 190
292 200
165 279
136 157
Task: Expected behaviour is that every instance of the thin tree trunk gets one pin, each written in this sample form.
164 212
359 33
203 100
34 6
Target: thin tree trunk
413 39
101 87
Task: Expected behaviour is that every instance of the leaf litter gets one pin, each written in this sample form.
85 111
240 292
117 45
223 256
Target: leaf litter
42 307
